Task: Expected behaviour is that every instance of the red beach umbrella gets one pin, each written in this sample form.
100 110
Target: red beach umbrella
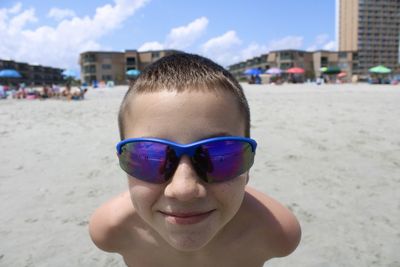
295 70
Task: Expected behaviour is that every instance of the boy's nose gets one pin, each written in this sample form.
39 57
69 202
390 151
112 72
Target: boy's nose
185 184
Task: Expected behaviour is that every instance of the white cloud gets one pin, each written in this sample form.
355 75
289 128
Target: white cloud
59 14
332 45
149 46
222 42
323 42
60 45
15 9
184 36
180 37
19 21
288 42
253 50
220 48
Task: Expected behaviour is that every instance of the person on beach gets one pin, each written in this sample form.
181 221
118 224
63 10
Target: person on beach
186 149
66 92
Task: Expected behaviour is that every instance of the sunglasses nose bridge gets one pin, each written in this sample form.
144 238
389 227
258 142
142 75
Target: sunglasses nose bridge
180 151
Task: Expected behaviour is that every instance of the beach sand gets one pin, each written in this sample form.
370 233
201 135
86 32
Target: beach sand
330 153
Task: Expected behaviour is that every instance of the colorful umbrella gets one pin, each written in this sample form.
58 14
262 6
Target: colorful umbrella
295 70
274 71
9 73
342 74
133 72
331 70
253 72
380 70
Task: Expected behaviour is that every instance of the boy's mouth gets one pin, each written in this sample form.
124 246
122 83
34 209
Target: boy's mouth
184 218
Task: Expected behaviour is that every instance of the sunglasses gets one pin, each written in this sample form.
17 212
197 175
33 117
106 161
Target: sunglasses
215 160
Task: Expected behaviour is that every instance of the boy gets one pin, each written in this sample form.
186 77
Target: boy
185 126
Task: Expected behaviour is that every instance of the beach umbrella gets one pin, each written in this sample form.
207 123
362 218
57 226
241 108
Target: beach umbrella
331 70
295 70
274 71
133 72
253 72
9 73
380 70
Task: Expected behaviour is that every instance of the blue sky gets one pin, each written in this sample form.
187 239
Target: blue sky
55 32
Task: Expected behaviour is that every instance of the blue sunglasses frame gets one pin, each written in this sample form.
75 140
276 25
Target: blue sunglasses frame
187 149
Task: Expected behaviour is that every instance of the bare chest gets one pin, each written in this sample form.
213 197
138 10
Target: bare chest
239 254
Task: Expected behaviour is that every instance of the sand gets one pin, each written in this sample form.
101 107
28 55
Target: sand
330 153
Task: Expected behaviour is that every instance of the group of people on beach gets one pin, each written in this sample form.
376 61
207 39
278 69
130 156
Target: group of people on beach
46 92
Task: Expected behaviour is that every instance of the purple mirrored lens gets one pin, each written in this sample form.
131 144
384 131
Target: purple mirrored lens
148 161
221 161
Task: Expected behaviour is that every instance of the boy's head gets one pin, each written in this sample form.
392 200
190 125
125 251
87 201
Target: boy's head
186 193
184 73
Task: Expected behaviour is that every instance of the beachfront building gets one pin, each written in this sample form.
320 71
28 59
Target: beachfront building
31 74
112 66
371 29
238 69
285 59
311 62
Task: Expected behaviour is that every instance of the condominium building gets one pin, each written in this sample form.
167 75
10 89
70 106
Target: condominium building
112 66
31 74
371 29
283 59
286 59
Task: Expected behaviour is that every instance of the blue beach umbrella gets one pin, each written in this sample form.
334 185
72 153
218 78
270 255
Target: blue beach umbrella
9 73
253 71
133 72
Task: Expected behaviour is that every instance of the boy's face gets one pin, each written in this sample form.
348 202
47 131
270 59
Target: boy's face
185 211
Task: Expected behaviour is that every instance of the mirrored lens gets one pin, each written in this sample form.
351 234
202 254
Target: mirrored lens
148 161
221 161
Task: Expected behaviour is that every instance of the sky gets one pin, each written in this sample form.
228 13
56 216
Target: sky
54 33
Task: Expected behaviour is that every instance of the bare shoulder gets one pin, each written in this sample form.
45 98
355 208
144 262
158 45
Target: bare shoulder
108 225
276 223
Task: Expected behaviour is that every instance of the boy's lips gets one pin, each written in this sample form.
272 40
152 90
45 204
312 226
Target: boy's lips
186 217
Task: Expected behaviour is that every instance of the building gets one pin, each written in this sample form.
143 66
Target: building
238 69
32 74
371 29
112 66
282 59
311 62
289 58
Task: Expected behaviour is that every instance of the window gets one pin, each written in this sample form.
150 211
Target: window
106 66
130 61
106 77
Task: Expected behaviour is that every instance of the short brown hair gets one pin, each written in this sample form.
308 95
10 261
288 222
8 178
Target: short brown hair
184 72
